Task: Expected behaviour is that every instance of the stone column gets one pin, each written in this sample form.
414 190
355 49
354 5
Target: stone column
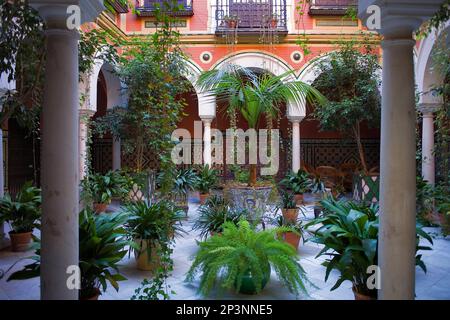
85 117
397 235
428 159
295 143
59 151
117 154
207 141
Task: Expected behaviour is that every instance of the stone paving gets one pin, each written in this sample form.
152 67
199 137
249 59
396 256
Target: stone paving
433 285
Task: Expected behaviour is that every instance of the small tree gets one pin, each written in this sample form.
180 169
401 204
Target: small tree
350 81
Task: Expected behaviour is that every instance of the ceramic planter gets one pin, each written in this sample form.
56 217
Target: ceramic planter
248 285
292 239
252 199
145 262
20 241
290 215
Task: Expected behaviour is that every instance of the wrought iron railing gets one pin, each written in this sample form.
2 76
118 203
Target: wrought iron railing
173 7
331 6
250 15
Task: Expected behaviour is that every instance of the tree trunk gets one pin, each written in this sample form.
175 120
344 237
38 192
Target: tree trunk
357 134
252 178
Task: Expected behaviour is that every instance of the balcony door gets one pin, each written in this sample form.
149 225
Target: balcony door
251 13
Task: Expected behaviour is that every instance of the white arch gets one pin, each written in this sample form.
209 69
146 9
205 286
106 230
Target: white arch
425 77
274 65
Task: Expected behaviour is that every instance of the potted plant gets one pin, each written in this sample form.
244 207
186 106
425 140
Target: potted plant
290 231
288 206
231 21
273 21
151 226
254 96
242 259
184 181
22 213
298 182
102 246
319 192
206 180
102 189
213 214
349 232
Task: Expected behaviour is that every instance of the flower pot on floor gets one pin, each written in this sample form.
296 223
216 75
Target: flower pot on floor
20 241
248 285
292 238
100 207
94 296
298 198
203 197
290 215
360 296
147 258
252 199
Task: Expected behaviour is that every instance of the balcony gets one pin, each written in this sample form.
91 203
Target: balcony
331 7
119 6
250 16
180 8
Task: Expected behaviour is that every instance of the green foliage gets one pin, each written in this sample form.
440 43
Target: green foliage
437 20
185 180
239 173
350 81
102 188
213 214
102 245
349 233
287 200
223 260
424 199
299 182
24 211
207 178
317 185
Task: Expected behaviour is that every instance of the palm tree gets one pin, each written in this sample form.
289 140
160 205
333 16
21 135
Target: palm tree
254 94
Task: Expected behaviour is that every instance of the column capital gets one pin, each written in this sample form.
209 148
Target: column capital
398 18
207 119
295 119
56 13
427 109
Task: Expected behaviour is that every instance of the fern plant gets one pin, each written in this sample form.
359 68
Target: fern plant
240 255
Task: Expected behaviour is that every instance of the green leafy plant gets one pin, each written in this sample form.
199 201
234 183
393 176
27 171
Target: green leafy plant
287 200
349 233
317 185
102 188
299 182
24 211
424 199
206 179
349 79
185 180
240 252
102 245
254 95
213 214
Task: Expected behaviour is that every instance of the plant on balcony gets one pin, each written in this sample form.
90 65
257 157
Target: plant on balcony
23 213
213 214
242 258
254 95
231 21
207 179
102 246
349 232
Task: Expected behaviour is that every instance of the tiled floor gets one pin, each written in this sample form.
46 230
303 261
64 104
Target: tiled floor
433 285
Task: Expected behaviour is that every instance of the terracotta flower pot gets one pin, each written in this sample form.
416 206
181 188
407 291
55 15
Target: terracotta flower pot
274 23
290 215
292 239
93 297
298 199
20 241
360 296
203 197
232 24
100 207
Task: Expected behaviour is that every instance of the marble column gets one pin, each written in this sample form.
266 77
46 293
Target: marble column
295 143
60 149
428 158
85 118
207 141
